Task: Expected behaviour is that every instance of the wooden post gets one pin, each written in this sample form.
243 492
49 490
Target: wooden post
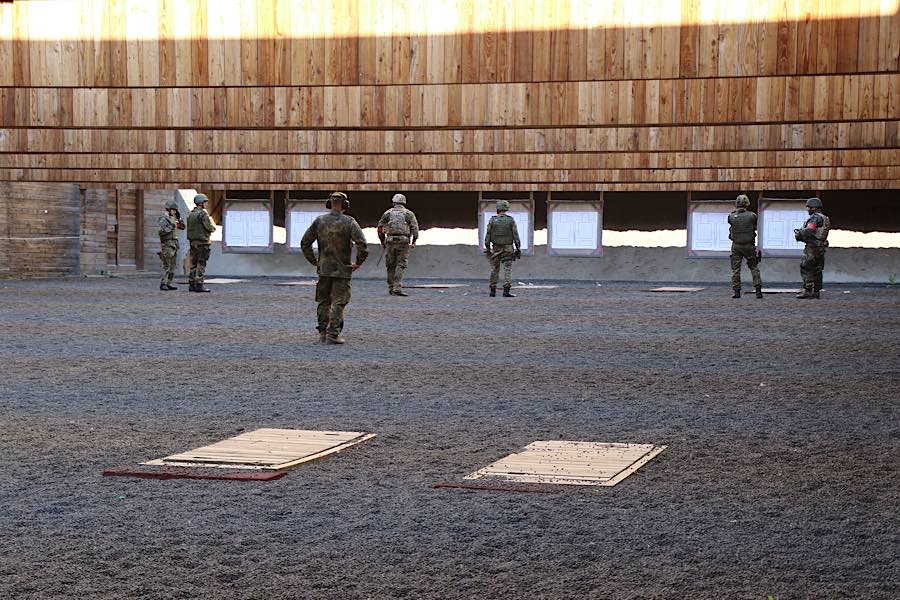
139 233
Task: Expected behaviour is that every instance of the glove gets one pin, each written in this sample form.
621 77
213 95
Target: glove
517 255
179 224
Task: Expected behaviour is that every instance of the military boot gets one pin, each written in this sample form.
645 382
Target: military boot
400 293
322 336
163 287
493 291
506 292
759 291
737 292
807 293
191 286
169 286
334 339
199 288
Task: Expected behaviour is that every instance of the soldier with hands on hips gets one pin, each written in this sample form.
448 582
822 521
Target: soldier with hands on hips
336 234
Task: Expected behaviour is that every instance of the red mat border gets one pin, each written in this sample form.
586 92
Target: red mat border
186 473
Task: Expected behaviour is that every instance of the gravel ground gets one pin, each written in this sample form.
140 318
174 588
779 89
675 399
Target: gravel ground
781 418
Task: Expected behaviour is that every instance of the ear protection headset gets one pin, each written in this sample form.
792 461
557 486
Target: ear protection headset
342 196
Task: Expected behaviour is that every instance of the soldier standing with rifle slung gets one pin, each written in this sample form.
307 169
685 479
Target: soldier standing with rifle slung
742 233
335 233
814 234
199 228
500 236
168 225
398 231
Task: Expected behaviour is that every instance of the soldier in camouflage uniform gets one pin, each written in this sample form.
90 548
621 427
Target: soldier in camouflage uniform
742 233
199 228
335 233
168 225
499 238
814 234
398 231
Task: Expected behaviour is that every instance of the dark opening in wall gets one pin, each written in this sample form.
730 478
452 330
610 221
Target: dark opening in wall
646 211
863 210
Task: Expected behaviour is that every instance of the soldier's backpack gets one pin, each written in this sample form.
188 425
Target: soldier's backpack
396 223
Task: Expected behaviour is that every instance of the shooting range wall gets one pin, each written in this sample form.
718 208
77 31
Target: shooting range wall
39 229
451 95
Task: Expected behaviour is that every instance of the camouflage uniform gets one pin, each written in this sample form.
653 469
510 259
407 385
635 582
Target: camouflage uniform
814 234
167 226
499 239
199 228
335 233
397 228
742 233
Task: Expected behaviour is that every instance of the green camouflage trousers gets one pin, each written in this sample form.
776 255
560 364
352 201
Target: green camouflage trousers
501 254
199 256
396 257
332 297
740 253
168 255
811 267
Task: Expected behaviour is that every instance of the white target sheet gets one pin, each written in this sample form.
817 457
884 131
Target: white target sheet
248 228
574 229
300 221
709 230
523 224
778 225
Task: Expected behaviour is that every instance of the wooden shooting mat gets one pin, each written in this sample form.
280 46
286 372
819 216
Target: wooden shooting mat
571 463
436 286
293 283
676 289
266 449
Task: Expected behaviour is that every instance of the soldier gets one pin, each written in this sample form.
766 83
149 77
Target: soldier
499 238
199 226
398 231
168 225
335 233
742 233
814 234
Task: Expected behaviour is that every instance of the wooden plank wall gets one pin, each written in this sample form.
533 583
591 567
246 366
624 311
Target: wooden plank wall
452 94
92 259
42 228
154 206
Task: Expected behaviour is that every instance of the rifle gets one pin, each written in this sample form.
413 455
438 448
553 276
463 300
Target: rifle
380 257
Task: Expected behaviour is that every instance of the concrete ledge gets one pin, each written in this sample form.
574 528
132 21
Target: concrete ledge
843 265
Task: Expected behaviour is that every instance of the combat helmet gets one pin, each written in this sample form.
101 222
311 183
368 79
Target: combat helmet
814 203
172 204
742 201
200 199
399 199
502 205
342 196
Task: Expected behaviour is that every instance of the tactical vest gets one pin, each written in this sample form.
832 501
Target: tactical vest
196 232
743 227
823 226
168 231
502 230
396 222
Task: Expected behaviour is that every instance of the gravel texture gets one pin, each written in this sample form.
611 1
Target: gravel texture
781 418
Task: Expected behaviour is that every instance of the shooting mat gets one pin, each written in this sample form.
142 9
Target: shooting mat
293 283
436 286
563 462
266 449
